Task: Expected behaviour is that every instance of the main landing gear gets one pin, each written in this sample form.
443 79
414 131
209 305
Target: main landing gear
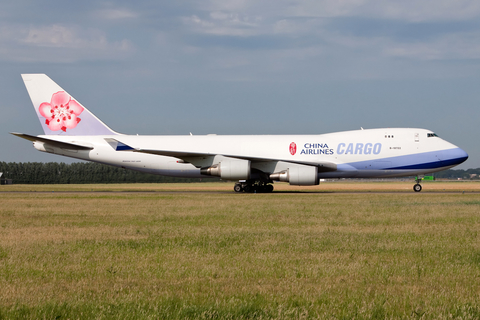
417 187
253 187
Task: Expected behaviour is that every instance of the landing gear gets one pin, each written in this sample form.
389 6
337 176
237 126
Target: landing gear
253 187
417 187
238 187
269 188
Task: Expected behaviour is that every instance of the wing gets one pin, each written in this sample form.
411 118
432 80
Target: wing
198 159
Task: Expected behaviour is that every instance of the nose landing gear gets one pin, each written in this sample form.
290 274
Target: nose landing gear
417 187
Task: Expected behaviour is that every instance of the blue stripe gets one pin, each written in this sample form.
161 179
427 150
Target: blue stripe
426 160
123 147
432 165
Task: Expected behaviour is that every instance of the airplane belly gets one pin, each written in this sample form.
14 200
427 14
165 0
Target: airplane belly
172 167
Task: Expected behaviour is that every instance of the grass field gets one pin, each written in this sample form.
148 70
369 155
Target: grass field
329 186
169 252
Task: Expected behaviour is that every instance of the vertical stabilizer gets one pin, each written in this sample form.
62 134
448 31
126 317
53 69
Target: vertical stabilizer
59 113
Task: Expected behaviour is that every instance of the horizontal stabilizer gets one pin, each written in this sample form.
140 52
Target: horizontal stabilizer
53 143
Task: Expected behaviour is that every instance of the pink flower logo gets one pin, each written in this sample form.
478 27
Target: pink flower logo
61 113
293 148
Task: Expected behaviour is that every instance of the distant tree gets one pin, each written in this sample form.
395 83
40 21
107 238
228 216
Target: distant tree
454 174
78 173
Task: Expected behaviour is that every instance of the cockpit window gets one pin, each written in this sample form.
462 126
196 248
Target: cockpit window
429 135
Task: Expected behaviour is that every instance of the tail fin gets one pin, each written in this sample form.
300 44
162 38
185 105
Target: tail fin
58 112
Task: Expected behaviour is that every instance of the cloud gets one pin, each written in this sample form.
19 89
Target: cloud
55 36
422 11
458 46
298 27
406 10
59 43
410 29
225 24
297 18
116 14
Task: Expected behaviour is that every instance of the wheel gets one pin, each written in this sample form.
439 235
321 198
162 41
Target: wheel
237 187
417 188
247 188
269 188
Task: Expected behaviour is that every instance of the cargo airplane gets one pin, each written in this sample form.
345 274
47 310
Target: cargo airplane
254 161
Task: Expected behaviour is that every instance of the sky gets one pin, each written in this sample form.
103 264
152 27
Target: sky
246 67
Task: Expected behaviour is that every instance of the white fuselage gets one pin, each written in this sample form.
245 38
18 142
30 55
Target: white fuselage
362 153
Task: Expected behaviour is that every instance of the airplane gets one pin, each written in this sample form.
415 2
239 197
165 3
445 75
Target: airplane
255 162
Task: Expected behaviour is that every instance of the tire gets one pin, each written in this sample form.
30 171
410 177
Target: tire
417 188
238 187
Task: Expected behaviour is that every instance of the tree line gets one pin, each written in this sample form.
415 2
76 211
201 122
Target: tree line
91 172
80 172
469 174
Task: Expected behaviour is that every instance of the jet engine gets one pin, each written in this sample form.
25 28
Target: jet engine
299 175
40 146
229 169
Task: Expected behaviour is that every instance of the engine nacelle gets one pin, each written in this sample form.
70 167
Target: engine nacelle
229 169
298 175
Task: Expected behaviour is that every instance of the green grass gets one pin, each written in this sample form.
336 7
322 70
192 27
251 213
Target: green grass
159 255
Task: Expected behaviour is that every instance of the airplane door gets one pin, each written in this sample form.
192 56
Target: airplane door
417 137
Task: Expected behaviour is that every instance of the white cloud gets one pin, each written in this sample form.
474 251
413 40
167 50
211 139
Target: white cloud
406 10
116 14
55 36
59 43
427 10
299 27
225 24
196 22
306 20
459 46
228 5
235 19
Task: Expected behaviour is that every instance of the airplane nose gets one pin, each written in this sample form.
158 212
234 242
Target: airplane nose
455 156
464 155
